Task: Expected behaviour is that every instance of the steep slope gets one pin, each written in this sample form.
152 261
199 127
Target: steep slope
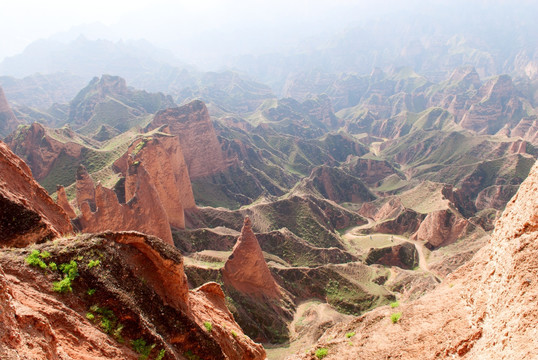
27 213
142 212
197 137
163 159
108 101
246 270
8 120
487 310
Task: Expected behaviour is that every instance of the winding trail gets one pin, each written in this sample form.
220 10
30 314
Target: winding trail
422 262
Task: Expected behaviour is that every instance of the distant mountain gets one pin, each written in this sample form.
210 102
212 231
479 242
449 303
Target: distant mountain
88 58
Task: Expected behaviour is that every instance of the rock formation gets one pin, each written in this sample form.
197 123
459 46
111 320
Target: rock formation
85 188
27 213
498 105
163 160
485 309
140 289
246 269
403 255
41 151
8 120
64 203
197 137
441 228
143 212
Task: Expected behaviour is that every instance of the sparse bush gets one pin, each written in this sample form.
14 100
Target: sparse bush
90 316
141 347
234 334
321 353
94 263
53 266
208 326
161 355
395 317
63 285
91 292
394 304
350 334
34 259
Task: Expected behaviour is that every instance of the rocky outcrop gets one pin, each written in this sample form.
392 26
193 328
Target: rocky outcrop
85 188
64 203
41 151
336 185
488 306
197 137
143 212
163 160
246 269
498 105
370 171
139 293
441 228
403 255
8 120
27 213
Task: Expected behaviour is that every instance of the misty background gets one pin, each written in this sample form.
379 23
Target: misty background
154 44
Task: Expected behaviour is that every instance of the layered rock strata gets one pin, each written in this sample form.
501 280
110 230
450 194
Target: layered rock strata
201 148
246 269
163 160
143 212
27 214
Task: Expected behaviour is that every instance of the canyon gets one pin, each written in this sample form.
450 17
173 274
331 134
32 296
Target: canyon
373 209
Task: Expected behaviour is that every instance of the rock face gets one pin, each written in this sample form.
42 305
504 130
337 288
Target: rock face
143 212
403 255
197 137
163 160
497 106
246 269
40 150
484 310
64 203
140 286
8 120
27 213
440 228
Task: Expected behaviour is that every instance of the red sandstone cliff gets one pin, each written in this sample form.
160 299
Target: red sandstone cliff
484 310
64 203
246 269
40 150
8 120
27 213
142 212
163 160
197 137
140 283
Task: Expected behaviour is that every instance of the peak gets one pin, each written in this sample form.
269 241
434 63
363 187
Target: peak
247 223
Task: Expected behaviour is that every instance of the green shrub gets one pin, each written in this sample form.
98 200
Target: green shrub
321 353
70 269
161 355
91 292
394 304
34 259
208 326
63 285
90 316
234 334
141 347
395 317
53 266
94 263
350 334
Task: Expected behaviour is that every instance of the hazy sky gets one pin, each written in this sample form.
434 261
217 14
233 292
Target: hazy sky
192 28
169 22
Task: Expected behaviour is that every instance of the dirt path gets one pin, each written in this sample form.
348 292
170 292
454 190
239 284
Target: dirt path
422 262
